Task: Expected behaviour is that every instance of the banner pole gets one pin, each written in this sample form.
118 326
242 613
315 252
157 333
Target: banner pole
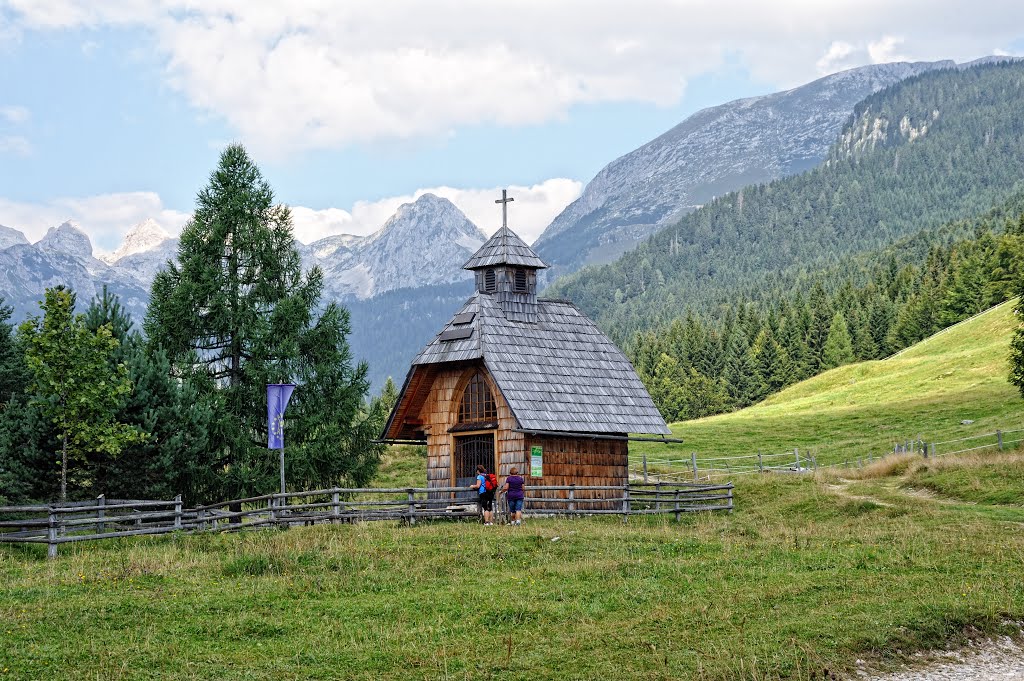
282 470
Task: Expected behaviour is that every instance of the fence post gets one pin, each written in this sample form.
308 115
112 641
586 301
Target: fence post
51 535
202 519
645 467
335 505
760 463
101 501
999 435
814 463
657 496
693 462
177 512
625 502
572 498
933 450
796 453
677 505
412 506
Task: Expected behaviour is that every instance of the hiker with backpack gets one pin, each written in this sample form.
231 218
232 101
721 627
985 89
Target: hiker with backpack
486 484
514 493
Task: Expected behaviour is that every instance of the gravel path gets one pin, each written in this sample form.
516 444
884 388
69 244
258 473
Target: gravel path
991 660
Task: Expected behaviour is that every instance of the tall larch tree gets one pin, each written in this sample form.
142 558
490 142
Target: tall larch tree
237 313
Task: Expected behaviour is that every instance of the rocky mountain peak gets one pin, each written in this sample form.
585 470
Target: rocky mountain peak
10 237
424 243
430 217
145 236
67 238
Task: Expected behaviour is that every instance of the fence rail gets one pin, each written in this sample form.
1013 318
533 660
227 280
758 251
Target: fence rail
102 518
708 468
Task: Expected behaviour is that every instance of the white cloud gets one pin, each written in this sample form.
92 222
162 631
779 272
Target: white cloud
323 74
884 49
107 218
15 145
836 58
843 55
14 114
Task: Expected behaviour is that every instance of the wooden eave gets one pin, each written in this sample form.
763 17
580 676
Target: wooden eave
405 423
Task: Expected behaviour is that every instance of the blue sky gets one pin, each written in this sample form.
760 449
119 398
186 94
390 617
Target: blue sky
112 115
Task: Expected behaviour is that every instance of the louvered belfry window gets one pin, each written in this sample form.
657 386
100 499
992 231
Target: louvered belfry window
489 282
477 402
520 280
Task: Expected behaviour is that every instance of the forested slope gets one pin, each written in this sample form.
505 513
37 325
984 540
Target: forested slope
936 148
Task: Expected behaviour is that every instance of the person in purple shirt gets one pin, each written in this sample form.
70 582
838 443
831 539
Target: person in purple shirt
513 488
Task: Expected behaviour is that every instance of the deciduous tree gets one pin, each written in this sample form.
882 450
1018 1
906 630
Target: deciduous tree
75 383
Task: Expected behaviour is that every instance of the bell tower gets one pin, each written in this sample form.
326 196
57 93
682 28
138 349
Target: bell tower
506 268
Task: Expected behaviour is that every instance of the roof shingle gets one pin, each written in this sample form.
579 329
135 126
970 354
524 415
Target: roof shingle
504 248
558 374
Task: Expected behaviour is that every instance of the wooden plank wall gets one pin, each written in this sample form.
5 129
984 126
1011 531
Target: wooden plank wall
568 461
440 412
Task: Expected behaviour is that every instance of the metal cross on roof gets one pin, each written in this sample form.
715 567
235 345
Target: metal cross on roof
505 198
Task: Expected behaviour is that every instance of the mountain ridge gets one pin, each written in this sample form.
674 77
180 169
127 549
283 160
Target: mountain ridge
713 151
923 170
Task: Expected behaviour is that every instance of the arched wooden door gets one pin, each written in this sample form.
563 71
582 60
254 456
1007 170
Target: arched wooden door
473 435
470 451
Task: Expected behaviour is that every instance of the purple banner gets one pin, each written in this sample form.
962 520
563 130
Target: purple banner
278 395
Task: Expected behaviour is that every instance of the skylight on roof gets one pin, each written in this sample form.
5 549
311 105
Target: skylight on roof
456 334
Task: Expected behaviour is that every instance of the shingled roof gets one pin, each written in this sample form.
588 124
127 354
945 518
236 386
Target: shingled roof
560 373
504 248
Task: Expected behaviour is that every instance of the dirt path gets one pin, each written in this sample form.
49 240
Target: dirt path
841 489
990 660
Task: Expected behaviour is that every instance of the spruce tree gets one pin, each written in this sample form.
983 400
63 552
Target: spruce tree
237 313
1017 351
1007 268
771 364
817 332
176 416
967 292
669 389
740 374
19 425
13 370
838 348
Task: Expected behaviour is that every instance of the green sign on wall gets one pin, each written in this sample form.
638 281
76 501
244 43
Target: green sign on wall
536 461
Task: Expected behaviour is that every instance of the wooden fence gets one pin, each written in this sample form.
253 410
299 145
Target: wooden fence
102 518
698 467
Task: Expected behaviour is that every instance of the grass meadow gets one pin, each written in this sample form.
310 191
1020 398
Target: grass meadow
812 576
807 576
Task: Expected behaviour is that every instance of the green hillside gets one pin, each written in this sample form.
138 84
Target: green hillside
927 391
936 148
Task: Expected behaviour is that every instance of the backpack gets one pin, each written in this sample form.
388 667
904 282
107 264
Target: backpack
490 482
